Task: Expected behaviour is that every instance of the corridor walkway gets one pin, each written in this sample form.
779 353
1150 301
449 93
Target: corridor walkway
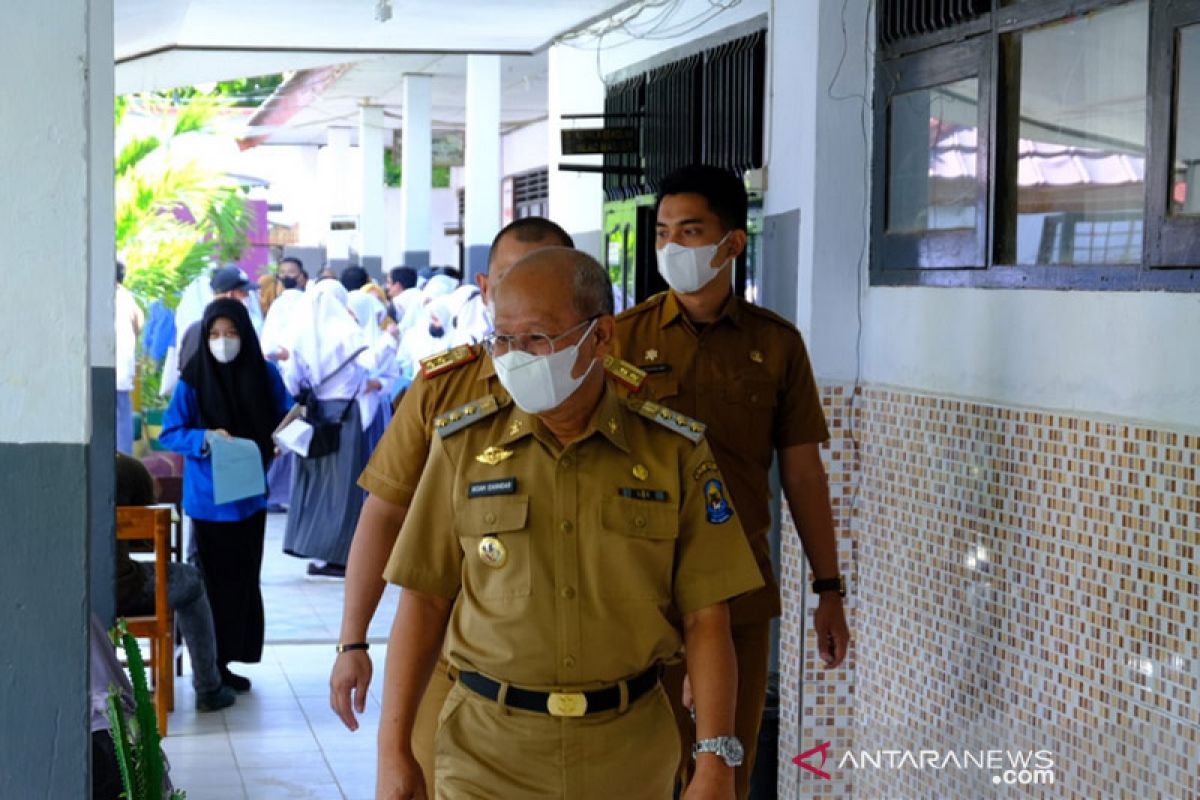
281 740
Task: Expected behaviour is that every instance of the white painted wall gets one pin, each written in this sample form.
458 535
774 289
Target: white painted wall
1128 354
524 149
443 211
576 198
58 181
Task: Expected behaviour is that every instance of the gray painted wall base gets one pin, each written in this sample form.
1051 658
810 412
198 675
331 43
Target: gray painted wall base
44 686
475 261
590 242
103 547
415 259
781 254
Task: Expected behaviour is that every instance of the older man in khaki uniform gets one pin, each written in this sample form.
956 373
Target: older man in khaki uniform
447 380
549 540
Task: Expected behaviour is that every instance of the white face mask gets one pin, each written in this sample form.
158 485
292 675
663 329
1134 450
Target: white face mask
689 269
540 383
224 349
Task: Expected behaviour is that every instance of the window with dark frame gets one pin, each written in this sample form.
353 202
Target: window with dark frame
1037 143
531 194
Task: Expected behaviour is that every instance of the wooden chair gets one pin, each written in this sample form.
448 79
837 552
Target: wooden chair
153 523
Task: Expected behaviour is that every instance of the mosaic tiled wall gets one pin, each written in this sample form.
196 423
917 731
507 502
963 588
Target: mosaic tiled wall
1023 581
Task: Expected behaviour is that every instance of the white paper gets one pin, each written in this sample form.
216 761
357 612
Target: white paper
295 437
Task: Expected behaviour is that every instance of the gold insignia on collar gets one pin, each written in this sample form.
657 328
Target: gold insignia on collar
640 472
613 426
705 467
514 428
756 356
651 355
493 456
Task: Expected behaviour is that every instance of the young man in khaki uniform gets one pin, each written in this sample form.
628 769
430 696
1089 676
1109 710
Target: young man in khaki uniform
551 540
744 372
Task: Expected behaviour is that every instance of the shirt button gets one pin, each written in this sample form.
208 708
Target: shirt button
568 592
568 661
565 526
489 518
639 521
566 462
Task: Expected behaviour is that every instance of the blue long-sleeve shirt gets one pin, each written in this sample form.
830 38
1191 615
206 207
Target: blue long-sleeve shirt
182 432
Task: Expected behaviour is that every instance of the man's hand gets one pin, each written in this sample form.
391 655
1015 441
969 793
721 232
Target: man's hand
713 779
833 635
351 678
400 778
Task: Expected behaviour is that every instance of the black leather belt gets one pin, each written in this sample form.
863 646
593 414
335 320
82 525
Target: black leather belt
563 704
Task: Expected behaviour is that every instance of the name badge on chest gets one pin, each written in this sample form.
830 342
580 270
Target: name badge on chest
492 488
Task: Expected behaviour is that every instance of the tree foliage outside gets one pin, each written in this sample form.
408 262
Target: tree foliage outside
174 215
393 174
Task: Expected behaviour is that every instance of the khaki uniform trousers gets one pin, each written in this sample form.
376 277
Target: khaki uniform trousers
487 751
752 642
426 723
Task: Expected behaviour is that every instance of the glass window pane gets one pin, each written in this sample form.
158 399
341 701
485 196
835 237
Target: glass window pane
931 165
1185 183
1082 150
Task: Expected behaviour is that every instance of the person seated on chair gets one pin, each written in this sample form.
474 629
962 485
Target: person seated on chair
185 594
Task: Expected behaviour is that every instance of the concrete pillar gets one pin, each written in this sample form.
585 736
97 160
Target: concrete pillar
60 223
372 231
416 227
481 218
576 198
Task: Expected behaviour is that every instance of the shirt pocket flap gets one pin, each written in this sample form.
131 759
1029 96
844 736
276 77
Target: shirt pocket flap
752 393
659 387
484 516
647 519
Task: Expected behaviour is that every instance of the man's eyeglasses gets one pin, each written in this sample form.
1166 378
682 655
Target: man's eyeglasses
536 344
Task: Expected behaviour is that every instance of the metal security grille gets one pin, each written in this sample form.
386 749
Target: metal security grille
707 107
905 19
531 194
732 118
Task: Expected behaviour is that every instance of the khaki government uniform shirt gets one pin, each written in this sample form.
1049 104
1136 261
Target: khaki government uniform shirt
564 562
399 458
747 377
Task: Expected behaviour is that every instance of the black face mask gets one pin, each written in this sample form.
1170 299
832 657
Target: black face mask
289 283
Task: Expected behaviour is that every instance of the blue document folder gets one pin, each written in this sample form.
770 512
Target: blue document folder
236 469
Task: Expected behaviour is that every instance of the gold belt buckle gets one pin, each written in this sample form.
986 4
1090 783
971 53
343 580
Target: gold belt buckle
567 704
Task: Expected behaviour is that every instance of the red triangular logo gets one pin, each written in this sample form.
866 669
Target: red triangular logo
823 749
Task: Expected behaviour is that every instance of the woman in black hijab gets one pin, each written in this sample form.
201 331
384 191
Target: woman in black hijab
227 389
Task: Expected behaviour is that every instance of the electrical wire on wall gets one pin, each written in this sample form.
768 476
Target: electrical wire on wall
852 428
658 27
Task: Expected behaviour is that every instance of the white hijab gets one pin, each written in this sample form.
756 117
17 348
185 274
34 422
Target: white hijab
329 336
283 321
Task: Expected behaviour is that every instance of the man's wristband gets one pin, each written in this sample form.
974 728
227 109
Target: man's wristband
830 585
345 648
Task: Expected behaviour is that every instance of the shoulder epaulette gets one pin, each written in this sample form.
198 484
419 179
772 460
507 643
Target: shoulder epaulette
766 313
651 302
625 373
682 424
466 415
447 360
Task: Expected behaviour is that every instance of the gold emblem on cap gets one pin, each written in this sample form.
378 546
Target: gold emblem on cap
493 552
756 356
651 355
640 472
493 456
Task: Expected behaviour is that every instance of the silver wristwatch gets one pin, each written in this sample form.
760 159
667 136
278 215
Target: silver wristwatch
729 748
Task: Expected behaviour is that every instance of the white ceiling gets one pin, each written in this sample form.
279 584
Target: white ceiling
379 81
160 44
340 30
